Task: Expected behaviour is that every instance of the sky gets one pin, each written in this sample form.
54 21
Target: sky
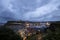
29 10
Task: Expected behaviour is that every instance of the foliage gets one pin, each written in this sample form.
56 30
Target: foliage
8 34
53 35
32 37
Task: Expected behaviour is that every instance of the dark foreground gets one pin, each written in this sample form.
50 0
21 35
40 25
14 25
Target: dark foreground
50 33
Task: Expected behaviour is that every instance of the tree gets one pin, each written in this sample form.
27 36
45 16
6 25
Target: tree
8 34
54 32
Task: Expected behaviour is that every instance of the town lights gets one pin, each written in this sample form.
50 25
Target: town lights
27 25
48 24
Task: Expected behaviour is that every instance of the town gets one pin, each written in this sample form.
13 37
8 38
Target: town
25 29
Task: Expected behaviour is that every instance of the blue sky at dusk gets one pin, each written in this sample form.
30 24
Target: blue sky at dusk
29 10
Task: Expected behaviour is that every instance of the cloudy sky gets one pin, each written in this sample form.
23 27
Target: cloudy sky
29 10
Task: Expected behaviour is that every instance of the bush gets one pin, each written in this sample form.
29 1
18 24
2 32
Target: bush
8 34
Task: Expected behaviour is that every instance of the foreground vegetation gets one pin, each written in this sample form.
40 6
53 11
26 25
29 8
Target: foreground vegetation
52 33
8 34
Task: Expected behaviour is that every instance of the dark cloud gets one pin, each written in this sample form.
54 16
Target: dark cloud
31 10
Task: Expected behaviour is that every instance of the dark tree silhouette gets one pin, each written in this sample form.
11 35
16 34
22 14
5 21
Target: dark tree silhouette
8 34
53 32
